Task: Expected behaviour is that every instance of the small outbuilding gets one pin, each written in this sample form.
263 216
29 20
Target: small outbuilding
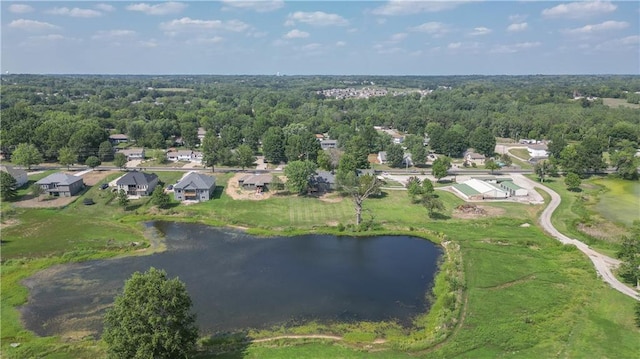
19 175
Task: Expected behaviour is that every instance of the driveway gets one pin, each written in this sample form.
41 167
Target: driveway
604 264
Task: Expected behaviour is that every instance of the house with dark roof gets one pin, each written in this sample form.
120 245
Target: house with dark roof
323 181
118 138
195 187
61 184
137 183
327 144
19 175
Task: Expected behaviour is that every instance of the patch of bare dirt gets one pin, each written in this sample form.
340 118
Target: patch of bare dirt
93 177
234 191
331 197
470 211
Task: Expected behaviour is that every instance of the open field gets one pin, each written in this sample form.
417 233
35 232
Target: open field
526 295
620 202
520 152
616 102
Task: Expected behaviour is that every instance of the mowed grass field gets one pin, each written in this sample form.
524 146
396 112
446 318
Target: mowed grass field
526 296
621 200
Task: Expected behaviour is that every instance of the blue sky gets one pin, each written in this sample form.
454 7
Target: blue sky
394 37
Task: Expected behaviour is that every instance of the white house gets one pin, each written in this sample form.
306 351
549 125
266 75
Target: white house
19 175
474 157
184 155
382 157
538 151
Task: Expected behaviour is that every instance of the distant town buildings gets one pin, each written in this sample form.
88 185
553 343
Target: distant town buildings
367 92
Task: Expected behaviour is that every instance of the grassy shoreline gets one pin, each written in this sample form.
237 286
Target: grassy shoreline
503 288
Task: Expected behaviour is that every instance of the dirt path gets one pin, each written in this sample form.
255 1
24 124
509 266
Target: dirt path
604 264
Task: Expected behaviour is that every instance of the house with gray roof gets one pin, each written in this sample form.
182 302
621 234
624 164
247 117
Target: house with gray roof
323 181
133 153
258 182
19 175
137 183
61 184
195 187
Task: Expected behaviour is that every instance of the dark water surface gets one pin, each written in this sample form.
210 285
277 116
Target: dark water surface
238 281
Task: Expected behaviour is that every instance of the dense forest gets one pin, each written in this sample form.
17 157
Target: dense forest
280 115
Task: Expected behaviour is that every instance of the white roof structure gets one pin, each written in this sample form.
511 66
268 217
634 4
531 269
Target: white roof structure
488 190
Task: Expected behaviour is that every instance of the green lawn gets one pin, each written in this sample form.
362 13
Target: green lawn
621 200
526 295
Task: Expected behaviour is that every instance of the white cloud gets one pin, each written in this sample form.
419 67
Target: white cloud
517 18
517 27
189 24
435 29
74 12
513 48
20 8
479 31
454 45
259 6
317 18
604 26
32 25
408 7
311 47
296 34
578 10
206 40
164 8
148 43
341 43
112 34
105 7
398 37
626 43
464 46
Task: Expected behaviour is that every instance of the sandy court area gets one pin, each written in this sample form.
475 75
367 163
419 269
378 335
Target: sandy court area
89 178
234 191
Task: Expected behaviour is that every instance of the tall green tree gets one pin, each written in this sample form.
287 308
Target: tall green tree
245 157
625 161
189 134
93 162
360 150
440 167
26 155
359 188
414 188
432 203
67 157
299 175
123 199
105 151
491 165
542 170
119 160
273 145
210 150
629 254
395 155
152 318
483 141
8 186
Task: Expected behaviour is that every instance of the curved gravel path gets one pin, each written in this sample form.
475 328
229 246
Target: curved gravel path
604 264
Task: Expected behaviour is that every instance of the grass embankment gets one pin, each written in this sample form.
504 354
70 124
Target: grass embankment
525 295
579 216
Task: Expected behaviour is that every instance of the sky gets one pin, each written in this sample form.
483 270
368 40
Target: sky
395 37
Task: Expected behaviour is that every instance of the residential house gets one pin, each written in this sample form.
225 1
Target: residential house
323 181
258 182
407 161
137 183
184 155
118 138
19 175
471 157
382 157
538 150
201 133
195 187
61 184
133 153
327 144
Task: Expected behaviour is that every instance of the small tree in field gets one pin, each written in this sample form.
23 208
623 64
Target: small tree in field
151 319
36 190
159 197
491 165
440 167
572 181
123 199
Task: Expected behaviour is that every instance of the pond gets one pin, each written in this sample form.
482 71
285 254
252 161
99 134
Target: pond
238 281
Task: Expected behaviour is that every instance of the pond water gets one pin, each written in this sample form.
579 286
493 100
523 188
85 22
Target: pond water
238 281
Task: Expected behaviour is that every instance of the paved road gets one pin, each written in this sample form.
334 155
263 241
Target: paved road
604 265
